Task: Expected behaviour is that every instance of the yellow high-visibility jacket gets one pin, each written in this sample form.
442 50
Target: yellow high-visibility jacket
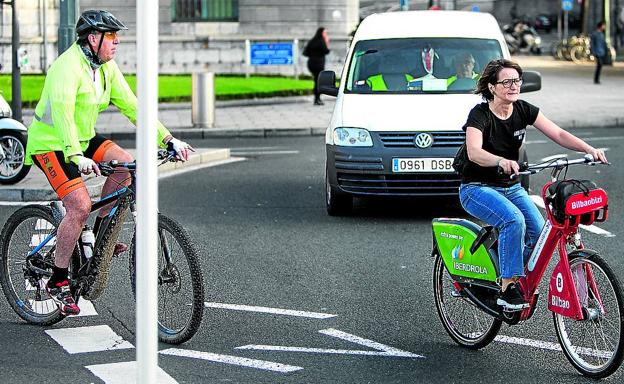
69 106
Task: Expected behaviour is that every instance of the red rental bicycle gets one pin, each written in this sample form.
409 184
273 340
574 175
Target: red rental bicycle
584 295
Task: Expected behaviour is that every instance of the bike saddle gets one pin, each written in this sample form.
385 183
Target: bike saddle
487 237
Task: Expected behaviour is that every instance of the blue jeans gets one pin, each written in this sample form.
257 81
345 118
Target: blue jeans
512 212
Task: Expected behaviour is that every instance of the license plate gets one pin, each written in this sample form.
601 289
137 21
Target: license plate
423 164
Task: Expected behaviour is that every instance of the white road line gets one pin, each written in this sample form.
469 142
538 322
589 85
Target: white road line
553 157
88 339
125 373
279 348
382 349
598 138
255 153
361 341
550 346
193 168
252 148
234 360
275 311
598 231
589 228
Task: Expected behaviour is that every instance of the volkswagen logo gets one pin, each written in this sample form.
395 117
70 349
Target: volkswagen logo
423 140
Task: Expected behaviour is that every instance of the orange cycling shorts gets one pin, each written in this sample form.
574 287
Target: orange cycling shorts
65 177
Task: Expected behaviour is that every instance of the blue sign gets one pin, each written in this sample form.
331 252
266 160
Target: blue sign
271 53
566 5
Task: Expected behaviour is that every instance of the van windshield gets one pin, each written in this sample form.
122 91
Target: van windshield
419 65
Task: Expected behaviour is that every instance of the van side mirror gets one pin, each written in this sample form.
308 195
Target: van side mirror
531 81
327 83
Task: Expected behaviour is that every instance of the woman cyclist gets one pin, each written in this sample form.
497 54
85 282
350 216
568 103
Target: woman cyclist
495 129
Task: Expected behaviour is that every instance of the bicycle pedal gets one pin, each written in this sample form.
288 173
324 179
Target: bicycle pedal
457 294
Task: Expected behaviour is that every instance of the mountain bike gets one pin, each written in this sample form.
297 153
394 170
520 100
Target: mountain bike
28 243
585 295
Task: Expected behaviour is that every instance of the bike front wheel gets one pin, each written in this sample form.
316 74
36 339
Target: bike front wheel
594 346
180 282
24 277
467 325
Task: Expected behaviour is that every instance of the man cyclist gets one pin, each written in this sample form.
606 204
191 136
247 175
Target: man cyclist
62 141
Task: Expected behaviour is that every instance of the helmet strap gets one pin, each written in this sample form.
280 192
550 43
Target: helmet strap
97 53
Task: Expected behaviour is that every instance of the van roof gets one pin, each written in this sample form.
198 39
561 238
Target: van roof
428 24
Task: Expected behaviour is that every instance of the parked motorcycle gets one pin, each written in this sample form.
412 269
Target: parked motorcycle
522 38
12 146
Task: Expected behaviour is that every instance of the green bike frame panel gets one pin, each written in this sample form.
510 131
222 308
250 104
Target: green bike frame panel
453 238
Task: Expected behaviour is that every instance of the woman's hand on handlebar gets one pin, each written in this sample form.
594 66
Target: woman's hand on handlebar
598 155
508 167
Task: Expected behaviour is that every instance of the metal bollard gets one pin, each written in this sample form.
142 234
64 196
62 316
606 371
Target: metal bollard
203 100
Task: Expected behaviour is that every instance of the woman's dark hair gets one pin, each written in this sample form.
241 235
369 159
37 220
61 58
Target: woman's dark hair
490 76
600 24
319 33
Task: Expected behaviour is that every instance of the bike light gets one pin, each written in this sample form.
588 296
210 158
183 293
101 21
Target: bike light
352 137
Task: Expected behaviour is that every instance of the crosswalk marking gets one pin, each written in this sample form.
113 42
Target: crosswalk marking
88 339
125 373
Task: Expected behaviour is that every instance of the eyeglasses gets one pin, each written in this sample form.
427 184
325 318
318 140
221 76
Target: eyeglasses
507 82
110 35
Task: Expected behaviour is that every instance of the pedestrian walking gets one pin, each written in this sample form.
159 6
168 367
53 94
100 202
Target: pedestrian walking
598 46
316 50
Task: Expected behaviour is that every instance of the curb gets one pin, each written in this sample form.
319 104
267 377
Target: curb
94 184
215 133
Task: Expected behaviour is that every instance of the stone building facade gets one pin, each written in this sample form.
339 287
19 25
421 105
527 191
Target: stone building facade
191 38
210 35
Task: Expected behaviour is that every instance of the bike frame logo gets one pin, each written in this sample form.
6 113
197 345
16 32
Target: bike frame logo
458 254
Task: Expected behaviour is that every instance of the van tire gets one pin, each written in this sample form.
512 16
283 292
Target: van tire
338 204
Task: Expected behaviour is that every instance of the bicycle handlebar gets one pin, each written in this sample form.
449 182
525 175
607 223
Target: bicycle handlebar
109 167
558 163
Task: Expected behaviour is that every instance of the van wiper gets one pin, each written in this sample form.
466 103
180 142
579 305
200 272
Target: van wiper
368 51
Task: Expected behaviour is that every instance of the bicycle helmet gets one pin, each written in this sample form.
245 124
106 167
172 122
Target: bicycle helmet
98 20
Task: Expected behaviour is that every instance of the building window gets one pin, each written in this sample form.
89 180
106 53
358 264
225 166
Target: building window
204 10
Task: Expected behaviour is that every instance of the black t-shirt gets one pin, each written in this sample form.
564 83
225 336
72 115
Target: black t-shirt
500 137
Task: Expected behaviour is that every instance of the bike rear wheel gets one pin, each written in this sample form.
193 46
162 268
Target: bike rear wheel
23 278
595 347
180 283
467 325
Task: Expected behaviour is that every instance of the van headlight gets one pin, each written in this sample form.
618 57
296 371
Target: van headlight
352 137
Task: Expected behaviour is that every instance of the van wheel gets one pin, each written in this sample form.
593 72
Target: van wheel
338 204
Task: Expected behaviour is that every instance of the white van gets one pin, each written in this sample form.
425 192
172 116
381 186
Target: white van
400 106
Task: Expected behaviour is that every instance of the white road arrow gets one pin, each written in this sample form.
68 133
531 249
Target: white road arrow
382 350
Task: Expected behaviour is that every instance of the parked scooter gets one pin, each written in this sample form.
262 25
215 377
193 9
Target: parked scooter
12 146
522 38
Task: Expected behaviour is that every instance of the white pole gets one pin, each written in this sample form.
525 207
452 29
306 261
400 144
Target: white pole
296 58
147 193
247 57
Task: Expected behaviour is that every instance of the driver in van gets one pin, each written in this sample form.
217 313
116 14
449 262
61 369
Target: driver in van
464 64
389 76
